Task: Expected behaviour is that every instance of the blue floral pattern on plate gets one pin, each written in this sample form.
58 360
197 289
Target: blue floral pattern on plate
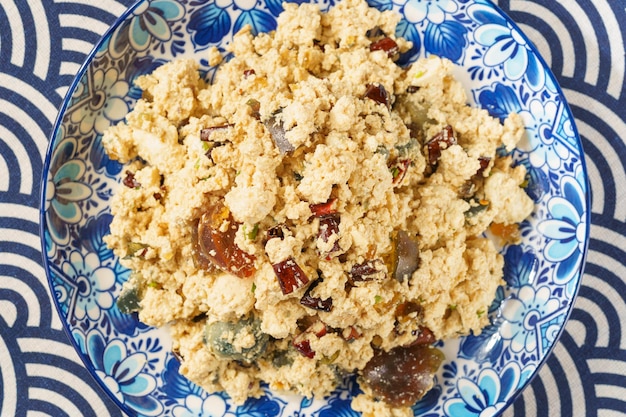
502 72
486 394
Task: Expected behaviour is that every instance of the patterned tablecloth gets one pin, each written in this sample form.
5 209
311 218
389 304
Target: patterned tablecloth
42 45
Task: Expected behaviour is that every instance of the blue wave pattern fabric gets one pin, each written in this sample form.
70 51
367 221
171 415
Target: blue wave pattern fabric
41 373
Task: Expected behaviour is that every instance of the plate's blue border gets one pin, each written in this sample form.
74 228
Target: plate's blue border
583 163
44 188
107 35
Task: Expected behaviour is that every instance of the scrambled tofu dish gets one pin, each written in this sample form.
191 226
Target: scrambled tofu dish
316 211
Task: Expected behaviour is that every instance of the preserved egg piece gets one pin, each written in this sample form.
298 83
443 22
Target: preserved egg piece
281 358
216 239
403 375
137 249
406 309
128 300
205 134
277 132
255 108
200 260
290 275
439 142
405 149
222 339
423 336
407 251
477 207
377 93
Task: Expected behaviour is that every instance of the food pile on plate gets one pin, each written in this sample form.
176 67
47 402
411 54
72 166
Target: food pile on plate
314 212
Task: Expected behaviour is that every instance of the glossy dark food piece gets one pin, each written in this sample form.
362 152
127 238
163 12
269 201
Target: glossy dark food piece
216 239
386 44
403 375
439 142
377 93
290 275
219 336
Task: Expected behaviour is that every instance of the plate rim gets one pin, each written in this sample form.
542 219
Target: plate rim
42 200
548 353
